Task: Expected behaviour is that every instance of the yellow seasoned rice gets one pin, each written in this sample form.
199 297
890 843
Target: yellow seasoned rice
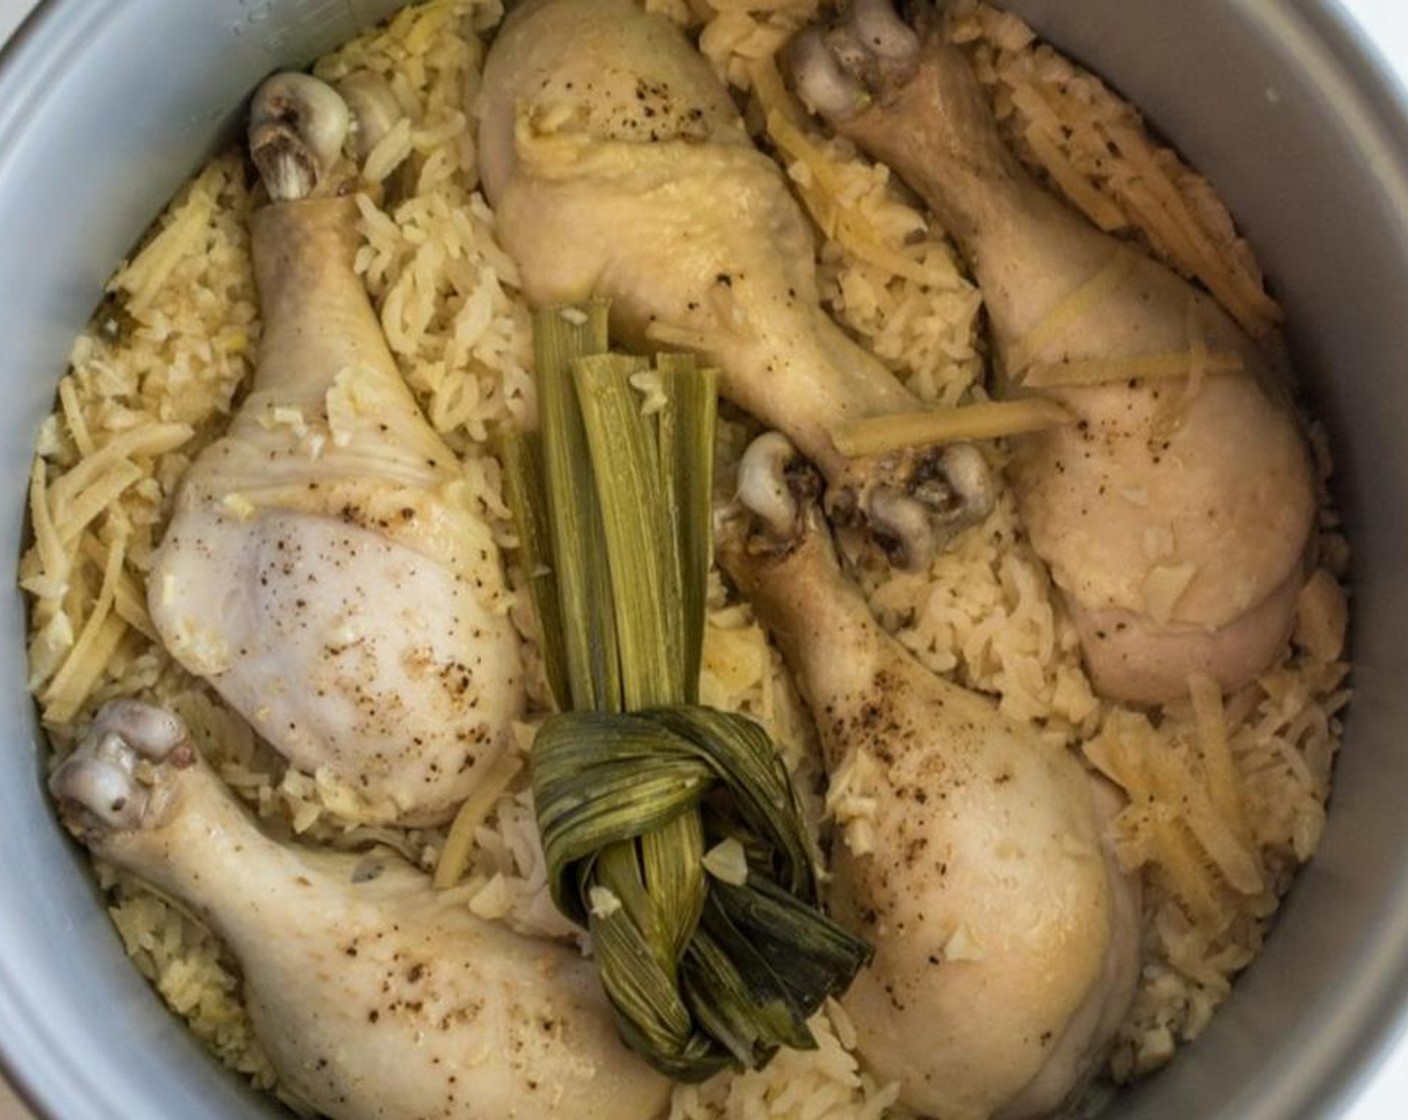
1227 794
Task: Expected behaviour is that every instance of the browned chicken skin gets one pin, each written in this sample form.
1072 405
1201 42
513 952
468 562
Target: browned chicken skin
1176 512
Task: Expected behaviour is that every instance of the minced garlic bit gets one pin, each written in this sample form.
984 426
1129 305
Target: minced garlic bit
1158 1045
727 862
493 900
963 946
851 802
239 505
1164 587
200 649
1322 616
352 399
284 416
603 901
651 389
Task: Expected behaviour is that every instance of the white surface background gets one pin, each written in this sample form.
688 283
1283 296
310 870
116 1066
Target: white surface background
1385 23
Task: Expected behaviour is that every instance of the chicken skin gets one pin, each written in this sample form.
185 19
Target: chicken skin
375 997
618 166
323 567
1175 513
1007 939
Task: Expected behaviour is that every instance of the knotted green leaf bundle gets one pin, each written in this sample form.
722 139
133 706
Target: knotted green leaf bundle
671 830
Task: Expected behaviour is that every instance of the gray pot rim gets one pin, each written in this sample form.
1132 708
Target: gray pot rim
1376 104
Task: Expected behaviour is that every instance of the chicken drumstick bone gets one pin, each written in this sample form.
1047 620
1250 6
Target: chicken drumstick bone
618 166
323 568
373 995
1175 518
1007 939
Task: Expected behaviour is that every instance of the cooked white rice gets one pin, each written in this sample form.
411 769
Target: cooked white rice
1238 784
